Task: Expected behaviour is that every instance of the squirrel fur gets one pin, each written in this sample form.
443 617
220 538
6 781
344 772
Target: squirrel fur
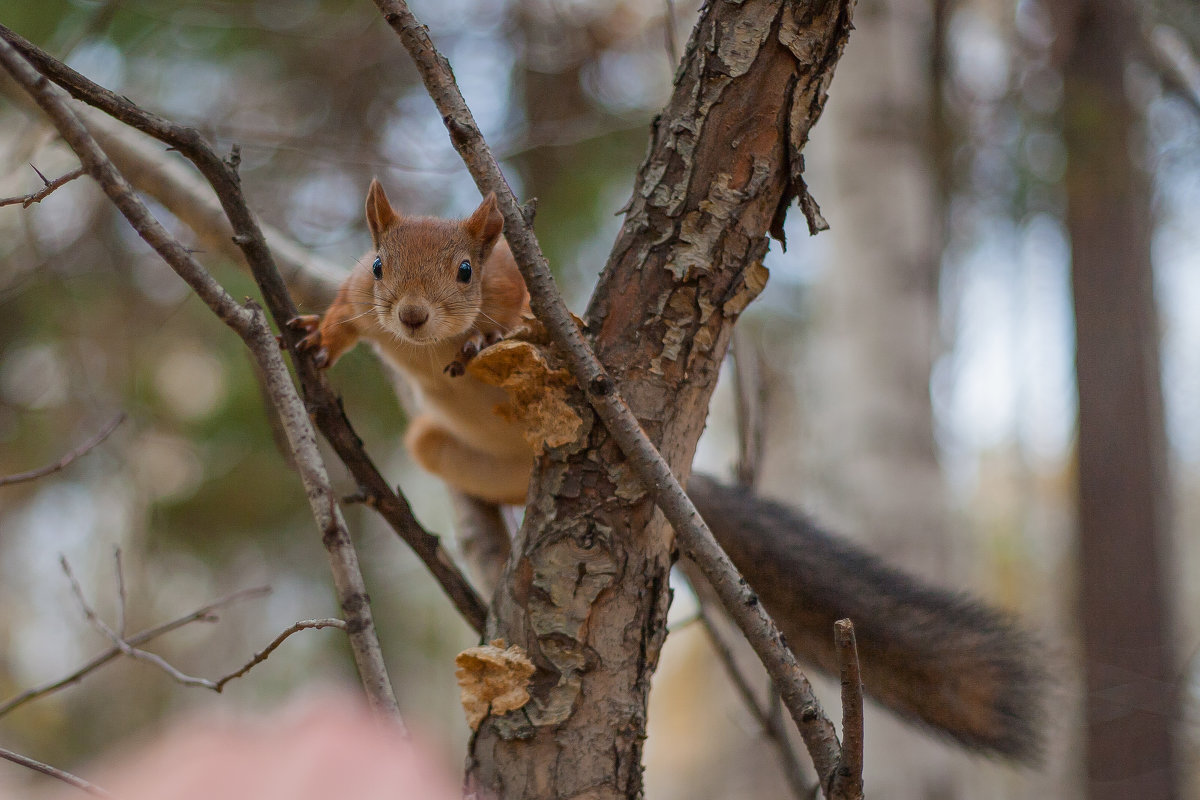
433 292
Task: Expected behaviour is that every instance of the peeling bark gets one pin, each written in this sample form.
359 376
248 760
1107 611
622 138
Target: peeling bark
586 594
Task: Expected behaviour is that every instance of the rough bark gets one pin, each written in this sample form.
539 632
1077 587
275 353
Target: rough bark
1132 703
586 592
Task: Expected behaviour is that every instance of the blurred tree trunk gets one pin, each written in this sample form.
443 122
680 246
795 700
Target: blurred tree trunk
1132 704
875 319
874 334
585 593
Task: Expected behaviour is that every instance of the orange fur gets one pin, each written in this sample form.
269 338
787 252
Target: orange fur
457 435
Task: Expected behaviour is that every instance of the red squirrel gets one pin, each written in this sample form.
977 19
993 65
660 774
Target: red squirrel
432 292
429 296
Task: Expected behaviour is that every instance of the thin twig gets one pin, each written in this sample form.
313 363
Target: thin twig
848 780
262 655
249 322
83 449
203 614
176 674
41 194
768 718
121 606
692 534
749 401
323 404
53 772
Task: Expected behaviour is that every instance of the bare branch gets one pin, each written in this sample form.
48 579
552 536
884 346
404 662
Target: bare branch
692 534
749 408
121 598
47 189
848 781
251 325
205 613
323 404
81 450
262 655
177 675
767 717
53 772
484 538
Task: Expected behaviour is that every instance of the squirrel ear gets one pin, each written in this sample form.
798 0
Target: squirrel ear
485 224
380 214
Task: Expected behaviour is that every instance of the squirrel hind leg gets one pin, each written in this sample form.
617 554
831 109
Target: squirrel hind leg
497 479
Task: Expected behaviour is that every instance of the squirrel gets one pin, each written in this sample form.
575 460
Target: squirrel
433 292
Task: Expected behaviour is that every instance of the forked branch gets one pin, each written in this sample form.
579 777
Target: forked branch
693 536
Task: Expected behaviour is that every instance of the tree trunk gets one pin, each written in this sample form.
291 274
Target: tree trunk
585 593
1132 704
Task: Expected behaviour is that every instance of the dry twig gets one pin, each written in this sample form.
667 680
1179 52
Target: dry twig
848 780
205 613
81 450
692 534
177 675
767 717
49 186
53 772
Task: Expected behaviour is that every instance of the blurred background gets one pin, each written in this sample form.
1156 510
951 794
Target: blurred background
915 363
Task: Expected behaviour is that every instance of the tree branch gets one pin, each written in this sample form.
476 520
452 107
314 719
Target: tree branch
264 654
693 536
322 403
848 780
202 614
53 772
62 463
128 649
47 189
770 722
250 324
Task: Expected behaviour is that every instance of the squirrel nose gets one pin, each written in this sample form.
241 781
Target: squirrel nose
414 316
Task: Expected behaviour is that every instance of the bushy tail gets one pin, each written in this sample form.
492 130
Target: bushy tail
941 658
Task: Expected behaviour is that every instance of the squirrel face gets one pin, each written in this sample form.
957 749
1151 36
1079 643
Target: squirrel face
429 272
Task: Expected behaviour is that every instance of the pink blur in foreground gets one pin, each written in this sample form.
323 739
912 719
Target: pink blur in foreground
318 749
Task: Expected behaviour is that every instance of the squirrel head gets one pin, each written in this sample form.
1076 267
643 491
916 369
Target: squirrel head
429 272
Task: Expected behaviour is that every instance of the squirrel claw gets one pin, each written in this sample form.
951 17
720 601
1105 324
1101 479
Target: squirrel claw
311 343
454 369
307 323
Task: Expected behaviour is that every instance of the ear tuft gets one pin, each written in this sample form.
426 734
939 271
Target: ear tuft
380 214
486 223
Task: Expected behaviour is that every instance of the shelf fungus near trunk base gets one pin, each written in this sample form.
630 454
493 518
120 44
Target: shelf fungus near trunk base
492 679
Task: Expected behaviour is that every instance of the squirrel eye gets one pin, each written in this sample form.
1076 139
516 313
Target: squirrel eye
464 272
377 268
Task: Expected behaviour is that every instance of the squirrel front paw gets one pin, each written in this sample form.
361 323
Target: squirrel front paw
310 324
470 348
